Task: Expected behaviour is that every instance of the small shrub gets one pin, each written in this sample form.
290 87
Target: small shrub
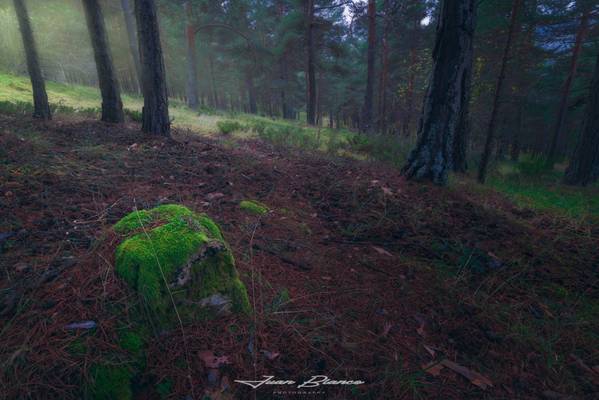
258 126
532 165
359 143
133 115
16 107
227 126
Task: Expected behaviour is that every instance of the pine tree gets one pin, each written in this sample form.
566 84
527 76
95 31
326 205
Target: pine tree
446 95
41 107
112 106
155 118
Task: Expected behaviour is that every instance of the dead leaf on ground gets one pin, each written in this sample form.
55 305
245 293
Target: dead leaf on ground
386 328
434 368
382 251
430 350
474 377
212 361
270 355
214 196
387 191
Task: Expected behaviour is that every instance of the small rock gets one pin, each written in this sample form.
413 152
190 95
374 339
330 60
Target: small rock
214 196
221 304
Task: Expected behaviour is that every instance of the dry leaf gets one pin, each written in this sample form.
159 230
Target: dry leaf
474 377
382 251
430 350
271 355
212 361
434 368
214 196
386 328
387 191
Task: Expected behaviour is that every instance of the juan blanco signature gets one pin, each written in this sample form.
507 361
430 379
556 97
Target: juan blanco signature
314 381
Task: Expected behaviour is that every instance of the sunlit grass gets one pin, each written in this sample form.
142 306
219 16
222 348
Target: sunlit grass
527 185
545 191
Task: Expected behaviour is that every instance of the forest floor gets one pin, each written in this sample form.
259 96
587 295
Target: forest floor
355 273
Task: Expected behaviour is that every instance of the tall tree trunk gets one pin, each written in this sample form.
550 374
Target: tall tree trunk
367 117
563 104
584 165
155 117
515 148
192 64
484 163
112 106
41 107
283 74
446 95
310 65
251 91
213 91
410 93
132 38
384 75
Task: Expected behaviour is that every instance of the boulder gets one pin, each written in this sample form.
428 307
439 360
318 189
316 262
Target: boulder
172 256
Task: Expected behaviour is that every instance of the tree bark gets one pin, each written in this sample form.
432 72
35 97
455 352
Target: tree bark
484 163
132 38
515 149
584 165
446 95
410 93
112 106
384 74
310 67
41 107
251 91
563 104
192 64
155 117
367 117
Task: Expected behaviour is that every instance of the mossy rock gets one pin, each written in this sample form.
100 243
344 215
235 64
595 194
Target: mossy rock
172 251
253 207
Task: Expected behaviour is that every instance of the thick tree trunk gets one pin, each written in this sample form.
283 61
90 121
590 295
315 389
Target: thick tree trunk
367 117
41 107
192 65
446 95
584 165
563 104
155 117
112 106
310 65
132 38
484 163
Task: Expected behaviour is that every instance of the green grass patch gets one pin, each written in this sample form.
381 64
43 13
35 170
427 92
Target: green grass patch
530 184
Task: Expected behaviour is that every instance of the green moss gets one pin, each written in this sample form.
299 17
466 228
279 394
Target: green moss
142 218
132 341
182 249
164 388
111 383
254 207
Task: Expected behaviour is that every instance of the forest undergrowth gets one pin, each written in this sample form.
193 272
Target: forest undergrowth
420 291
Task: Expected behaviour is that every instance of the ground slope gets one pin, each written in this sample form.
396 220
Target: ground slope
354 273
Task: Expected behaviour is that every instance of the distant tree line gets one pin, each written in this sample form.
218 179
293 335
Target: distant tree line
499 78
